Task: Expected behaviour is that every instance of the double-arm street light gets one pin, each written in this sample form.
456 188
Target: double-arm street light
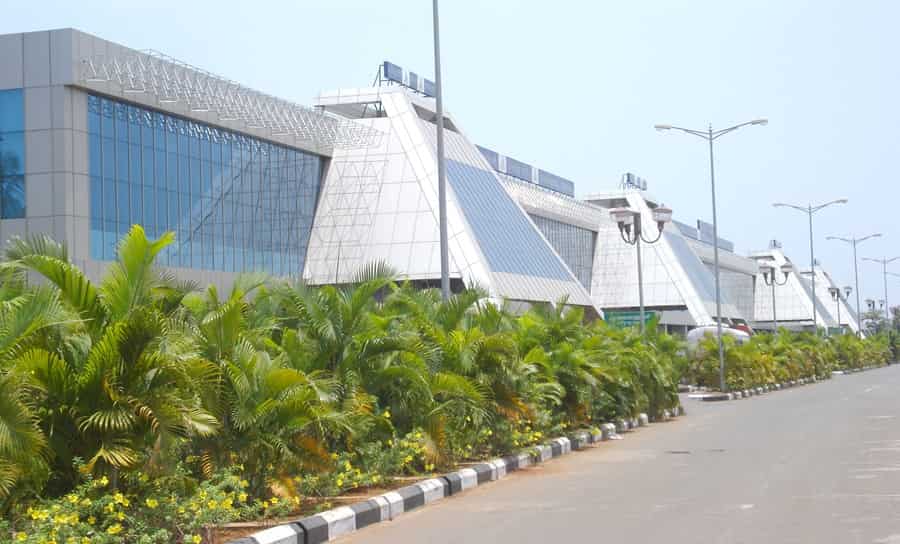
883 262
631 231
710 136
809 209
441 162
854 242
769 277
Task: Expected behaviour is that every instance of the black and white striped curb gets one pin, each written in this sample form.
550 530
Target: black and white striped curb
331 524
754 391
854 370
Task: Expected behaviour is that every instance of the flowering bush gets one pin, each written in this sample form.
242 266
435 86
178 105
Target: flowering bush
160 510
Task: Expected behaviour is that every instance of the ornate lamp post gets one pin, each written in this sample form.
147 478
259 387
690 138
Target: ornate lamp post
631 231
768 274
836 297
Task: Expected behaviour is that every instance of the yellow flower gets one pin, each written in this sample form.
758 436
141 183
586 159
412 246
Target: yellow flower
21 536
196 539
242 497
152 503
387 414
85 540
211 503
102 482
91 520
296 499
181 509
347 465
226 503
120 516
114 529
72 498
85 502
334 456
245 484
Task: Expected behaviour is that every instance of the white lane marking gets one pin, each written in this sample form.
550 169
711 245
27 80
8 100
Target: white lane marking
746 506
882 417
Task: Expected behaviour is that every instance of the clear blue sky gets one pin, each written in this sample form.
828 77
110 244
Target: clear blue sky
575 88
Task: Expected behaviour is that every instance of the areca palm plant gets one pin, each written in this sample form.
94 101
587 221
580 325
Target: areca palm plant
116 391
275 415
26 320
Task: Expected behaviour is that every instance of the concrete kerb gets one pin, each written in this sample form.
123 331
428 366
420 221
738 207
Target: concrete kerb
331 524
778 386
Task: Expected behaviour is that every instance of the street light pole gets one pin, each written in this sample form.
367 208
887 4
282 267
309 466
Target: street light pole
631 231
810 209
853 242
884 262
710 136
441 163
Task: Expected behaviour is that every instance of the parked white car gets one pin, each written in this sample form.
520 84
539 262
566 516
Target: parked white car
695 335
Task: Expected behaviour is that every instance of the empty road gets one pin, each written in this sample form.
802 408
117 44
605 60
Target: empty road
814 464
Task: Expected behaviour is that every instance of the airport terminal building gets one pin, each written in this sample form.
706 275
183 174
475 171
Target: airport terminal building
96 137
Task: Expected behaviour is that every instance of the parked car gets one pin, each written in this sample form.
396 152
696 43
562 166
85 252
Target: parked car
695 335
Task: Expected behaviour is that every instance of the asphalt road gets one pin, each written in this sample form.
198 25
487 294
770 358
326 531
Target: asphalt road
814 464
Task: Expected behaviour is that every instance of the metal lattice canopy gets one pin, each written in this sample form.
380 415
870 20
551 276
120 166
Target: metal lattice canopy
172 81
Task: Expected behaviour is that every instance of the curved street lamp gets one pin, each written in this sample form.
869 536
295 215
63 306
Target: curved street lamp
632 233
853 242
710 136
768 274
883 263
809 209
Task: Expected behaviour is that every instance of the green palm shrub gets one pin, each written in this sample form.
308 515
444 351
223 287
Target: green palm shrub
294 389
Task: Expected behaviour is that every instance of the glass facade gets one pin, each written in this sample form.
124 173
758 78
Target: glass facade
509 242
701 279
12 154
235 203
573 243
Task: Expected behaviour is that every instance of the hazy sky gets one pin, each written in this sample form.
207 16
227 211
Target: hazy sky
575 87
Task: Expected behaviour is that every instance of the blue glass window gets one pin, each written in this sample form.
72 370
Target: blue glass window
492 157
235 203
12 111
518 169
555 183
12 154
